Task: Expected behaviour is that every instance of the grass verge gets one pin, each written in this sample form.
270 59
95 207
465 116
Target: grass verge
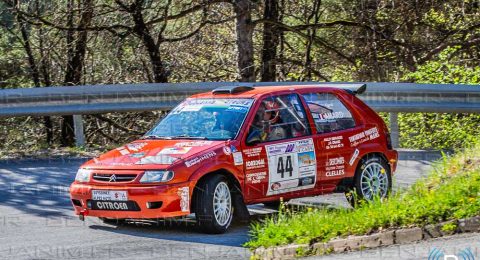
451 191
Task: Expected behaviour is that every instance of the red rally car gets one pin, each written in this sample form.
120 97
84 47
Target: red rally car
237 145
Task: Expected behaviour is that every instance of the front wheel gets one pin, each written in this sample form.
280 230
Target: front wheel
213 205
372 179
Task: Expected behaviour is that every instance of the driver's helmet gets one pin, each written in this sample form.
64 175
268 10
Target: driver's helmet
272 107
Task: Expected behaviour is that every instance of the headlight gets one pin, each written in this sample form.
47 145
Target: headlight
157 176
83 175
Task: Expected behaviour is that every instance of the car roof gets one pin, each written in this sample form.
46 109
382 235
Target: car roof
259 91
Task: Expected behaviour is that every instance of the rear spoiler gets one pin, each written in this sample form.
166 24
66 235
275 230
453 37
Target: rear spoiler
354 89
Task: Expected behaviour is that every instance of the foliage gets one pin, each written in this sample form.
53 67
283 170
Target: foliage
439 131
340 40
451 191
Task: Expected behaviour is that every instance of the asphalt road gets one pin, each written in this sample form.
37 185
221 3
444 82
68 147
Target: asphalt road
37 221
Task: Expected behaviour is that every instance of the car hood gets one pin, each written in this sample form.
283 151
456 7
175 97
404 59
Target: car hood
143 153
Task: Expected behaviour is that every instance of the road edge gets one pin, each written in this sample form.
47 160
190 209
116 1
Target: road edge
379 239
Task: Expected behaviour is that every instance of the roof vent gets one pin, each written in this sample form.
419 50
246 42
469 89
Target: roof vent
232 89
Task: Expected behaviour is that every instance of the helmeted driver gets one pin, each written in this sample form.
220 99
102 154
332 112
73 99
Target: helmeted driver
264 126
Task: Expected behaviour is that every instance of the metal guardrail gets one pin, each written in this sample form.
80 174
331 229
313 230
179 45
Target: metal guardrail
382 97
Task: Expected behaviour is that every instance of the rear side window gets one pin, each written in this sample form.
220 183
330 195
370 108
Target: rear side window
328 112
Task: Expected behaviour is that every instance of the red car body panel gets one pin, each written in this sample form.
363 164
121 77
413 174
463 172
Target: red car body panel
337 155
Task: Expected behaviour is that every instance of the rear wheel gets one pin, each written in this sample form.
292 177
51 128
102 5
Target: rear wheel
213 204
372 179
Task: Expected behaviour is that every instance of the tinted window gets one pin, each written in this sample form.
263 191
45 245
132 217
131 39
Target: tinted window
278 117
328 112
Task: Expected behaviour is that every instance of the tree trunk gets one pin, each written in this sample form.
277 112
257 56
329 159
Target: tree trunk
271 36
76 57
34 70
311 35
244 31
46 79
160 74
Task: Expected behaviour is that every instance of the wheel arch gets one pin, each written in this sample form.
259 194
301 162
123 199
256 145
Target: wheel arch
362 158
371 154
222 171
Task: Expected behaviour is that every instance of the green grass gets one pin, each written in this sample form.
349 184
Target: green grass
451 191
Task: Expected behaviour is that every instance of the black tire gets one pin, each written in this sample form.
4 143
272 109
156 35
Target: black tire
207 221
358 192
113 221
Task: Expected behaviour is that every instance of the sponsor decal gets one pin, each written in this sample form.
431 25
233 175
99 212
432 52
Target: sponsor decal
335 161
354 157
237 108
108 205
255 164
137 155
175 150
227 150
253 152
136 146
333 142
199 159
291 166
233 148
306 158
183 193
193 143
109 195
157 159
237 158
335 167
280 187
275 186
256 177
364 136
191 108
124 151
306 181
330 116
199 103
238 102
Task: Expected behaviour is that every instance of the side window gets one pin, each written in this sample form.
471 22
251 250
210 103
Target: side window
278 117
328 112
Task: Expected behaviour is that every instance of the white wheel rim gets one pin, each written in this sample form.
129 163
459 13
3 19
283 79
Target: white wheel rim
222 204
374 181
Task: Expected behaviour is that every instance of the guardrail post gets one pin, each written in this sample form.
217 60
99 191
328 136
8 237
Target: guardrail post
394 129
79 135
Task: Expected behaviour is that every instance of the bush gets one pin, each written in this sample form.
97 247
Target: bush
451 191
440 131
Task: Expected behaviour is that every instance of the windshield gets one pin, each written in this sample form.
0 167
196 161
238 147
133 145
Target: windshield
204 118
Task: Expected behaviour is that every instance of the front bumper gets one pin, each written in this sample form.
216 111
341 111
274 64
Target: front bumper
162 201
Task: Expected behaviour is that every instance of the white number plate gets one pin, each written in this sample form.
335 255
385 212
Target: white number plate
291 166
115 195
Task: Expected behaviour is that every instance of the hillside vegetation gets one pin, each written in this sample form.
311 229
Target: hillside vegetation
77 42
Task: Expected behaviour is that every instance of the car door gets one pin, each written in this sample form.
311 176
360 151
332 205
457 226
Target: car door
334 123
279 149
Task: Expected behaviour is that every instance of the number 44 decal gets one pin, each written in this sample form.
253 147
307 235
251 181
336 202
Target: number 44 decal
281 168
